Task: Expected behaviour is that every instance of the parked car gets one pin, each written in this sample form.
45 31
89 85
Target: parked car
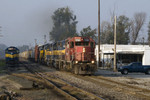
134 67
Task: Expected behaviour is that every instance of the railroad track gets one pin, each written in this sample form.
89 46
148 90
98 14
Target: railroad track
73 90
142 93
64 88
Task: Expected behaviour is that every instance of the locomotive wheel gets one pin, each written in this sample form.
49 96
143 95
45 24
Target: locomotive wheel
48 64
61 65
76 70
54 64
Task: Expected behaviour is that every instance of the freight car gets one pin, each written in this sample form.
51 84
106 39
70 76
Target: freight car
12 56
31 54
74 54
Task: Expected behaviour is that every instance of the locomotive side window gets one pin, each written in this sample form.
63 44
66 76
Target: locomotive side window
72 45
48 46
60 44
92 45
17 51
55 46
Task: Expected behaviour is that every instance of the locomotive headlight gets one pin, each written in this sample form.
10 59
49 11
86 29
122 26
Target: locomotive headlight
92 62
83 49
76 62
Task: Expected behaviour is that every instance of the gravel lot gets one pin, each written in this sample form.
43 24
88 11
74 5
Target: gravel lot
11 83
136 79
104 92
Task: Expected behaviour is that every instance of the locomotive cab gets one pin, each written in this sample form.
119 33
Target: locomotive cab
41 54
80 52
12 55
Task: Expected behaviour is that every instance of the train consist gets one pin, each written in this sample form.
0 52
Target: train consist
74 54
11 56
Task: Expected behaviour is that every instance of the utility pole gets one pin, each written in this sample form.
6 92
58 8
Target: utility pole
45 41
99 56
35 41
143 40
115 44
30 46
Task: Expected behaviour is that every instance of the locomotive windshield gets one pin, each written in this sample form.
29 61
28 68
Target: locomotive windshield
48 47
92 45
82 43
14 51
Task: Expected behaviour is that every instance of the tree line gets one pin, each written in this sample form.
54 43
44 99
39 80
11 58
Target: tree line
128 29
65 25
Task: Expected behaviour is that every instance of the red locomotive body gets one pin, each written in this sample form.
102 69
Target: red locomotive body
79 52
36 53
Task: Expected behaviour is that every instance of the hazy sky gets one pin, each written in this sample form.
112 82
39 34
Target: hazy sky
22 21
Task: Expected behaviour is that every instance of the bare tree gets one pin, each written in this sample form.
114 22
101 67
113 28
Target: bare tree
136 25
149 33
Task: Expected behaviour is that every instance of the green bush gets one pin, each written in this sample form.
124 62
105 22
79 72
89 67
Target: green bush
2 63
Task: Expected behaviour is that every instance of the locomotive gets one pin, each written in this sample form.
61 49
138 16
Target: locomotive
74 54
11 56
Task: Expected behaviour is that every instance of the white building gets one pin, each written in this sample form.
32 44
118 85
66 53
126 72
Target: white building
125 54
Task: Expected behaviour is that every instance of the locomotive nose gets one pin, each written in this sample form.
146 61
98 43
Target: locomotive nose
84 55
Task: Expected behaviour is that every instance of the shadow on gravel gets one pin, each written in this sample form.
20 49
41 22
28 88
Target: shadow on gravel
20 68
110 73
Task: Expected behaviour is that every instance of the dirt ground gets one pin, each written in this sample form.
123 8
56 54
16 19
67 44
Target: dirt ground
136 79
22 89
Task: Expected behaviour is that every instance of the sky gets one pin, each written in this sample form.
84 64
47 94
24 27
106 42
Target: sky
23 21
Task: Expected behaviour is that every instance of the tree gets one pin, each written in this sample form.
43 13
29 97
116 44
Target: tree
123 29
2 51
136 25
106 33
64 24
88 32
148 33
23 48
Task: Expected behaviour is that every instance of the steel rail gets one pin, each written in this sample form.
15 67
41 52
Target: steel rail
138 92
44 81
52 83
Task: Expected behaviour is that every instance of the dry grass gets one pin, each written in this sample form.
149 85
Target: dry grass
2 66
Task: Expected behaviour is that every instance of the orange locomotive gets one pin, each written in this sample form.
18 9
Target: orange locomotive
79 54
